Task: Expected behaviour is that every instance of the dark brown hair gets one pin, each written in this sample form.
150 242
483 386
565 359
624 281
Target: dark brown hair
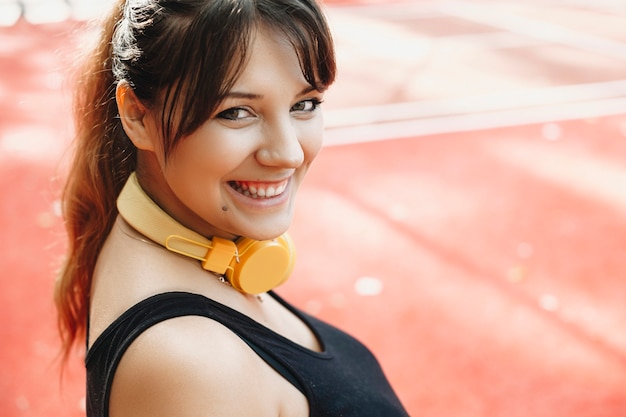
180 57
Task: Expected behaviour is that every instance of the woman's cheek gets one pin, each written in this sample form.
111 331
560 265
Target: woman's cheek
313 138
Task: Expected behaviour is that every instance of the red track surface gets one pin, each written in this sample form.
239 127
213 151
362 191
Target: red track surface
485 215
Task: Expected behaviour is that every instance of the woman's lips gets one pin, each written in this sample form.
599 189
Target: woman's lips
257 189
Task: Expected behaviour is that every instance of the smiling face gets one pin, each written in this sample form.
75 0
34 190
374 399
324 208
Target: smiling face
238 173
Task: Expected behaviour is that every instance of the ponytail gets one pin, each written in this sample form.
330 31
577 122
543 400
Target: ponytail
103 160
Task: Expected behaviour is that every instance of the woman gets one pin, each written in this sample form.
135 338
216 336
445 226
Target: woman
196 123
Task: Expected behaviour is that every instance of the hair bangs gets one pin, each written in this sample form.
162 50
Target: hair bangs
307 31
216 48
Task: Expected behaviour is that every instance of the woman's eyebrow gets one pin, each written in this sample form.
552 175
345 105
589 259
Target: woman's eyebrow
252 96
240 94
306 90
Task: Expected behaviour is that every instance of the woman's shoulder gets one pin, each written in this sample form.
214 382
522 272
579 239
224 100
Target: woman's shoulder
130 270
176 361
189 366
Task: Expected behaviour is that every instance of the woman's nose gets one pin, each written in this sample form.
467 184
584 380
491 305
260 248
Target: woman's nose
281 146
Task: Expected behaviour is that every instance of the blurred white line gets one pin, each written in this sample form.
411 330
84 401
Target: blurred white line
571 169
474 121
533 28
488 40
507 100
605 5
396 12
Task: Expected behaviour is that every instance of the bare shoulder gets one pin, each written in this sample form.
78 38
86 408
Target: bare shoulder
192 366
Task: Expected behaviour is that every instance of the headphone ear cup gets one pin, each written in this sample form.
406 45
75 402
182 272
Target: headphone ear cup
262 264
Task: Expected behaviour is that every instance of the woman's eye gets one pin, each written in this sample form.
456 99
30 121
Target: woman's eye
308 105
236 113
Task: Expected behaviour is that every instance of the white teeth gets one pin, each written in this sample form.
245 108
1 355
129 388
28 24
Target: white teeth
258 192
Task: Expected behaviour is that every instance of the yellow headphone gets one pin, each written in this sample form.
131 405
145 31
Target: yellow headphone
250 266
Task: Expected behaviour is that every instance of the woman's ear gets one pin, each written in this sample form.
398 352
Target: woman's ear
135 118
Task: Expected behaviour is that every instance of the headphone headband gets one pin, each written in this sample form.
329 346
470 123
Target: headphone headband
250 266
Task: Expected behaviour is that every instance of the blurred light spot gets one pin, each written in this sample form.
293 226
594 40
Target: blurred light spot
22 403
516 274
46 220
88 9
9 13
82 404
549 302
622 128
338 300
525 250
313 306
54 80
551 131
43 349
37 12
368 286
399 212
57 208
30 141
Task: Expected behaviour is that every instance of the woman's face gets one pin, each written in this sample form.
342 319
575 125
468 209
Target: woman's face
238 173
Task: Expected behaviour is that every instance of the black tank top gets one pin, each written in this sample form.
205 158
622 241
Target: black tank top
343 380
